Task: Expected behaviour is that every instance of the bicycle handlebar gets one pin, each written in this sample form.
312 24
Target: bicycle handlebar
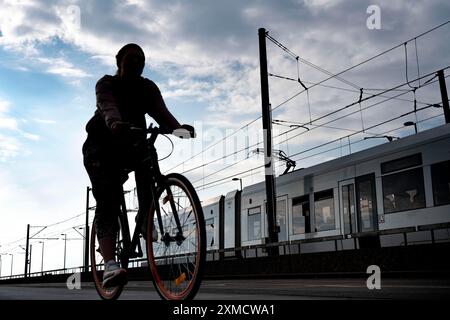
181 133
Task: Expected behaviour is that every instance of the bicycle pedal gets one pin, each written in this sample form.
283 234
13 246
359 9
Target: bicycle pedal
166 198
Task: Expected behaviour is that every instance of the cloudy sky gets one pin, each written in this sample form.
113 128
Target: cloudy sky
204 57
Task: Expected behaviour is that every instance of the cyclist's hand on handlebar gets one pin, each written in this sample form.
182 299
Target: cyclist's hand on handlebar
185 131
189 128
120 128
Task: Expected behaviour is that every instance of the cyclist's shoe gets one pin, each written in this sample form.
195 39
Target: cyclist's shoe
114 275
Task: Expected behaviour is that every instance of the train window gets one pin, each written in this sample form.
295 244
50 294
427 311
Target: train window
324 211
348 206
301 222
254 223
281 220
403 191
366 203
440 173
402 163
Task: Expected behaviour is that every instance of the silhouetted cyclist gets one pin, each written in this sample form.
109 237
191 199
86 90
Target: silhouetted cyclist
123 100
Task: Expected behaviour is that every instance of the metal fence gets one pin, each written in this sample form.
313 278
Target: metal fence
281 248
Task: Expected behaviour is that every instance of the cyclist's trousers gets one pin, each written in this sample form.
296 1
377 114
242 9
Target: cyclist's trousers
107 178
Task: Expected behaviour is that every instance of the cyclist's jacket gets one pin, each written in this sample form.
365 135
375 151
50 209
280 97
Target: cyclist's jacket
119 100
128 101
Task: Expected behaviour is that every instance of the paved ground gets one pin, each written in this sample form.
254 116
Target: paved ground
276 289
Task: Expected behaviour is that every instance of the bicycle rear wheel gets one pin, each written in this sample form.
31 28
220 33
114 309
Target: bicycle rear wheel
176 260
98 265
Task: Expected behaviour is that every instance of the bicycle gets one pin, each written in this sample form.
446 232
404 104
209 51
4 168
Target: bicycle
176 235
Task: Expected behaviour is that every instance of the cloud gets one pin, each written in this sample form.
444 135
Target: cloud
211 54
10 133
30 136
63 68
6 122
9 148
4 106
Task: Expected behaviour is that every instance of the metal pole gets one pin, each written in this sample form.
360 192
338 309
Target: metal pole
26 250
267 128
240 180
29 260
12 261
65 242
42 259
86 234
444 95
83 244
0 265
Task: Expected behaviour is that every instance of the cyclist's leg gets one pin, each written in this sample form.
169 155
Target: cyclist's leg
143 178
107 191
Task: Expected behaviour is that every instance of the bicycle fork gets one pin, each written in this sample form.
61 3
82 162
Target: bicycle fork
165 236
159 179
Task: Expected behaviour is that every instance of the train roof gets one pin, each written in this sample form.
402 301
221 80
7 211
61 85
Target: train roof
231 194
381 150
211 201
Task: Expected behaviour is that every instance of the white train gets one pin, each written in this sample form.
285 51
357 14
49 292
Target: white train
393 194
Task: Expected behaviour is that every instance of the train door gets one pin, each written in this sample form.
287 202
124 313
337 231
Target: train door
281 218
347 200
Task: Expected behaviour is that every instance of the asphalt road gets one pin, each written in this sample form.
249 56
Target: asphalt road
245 289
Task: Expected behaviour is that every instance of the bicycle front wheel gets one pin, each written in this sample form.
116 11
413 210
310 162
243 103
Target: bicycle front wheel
176 243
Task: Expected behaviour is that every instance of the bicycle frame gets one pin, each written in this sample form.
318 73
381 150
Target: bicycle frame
131 244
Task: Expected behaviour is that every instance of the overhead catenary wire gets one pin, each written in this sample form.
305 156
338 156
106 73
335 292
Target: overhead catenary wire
48 226
348 137
367 98
359 141
297 58
358 91
315 126
361 131
227 180
417 60
318 83
339 118
342 117
406 67
370 59
321 145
